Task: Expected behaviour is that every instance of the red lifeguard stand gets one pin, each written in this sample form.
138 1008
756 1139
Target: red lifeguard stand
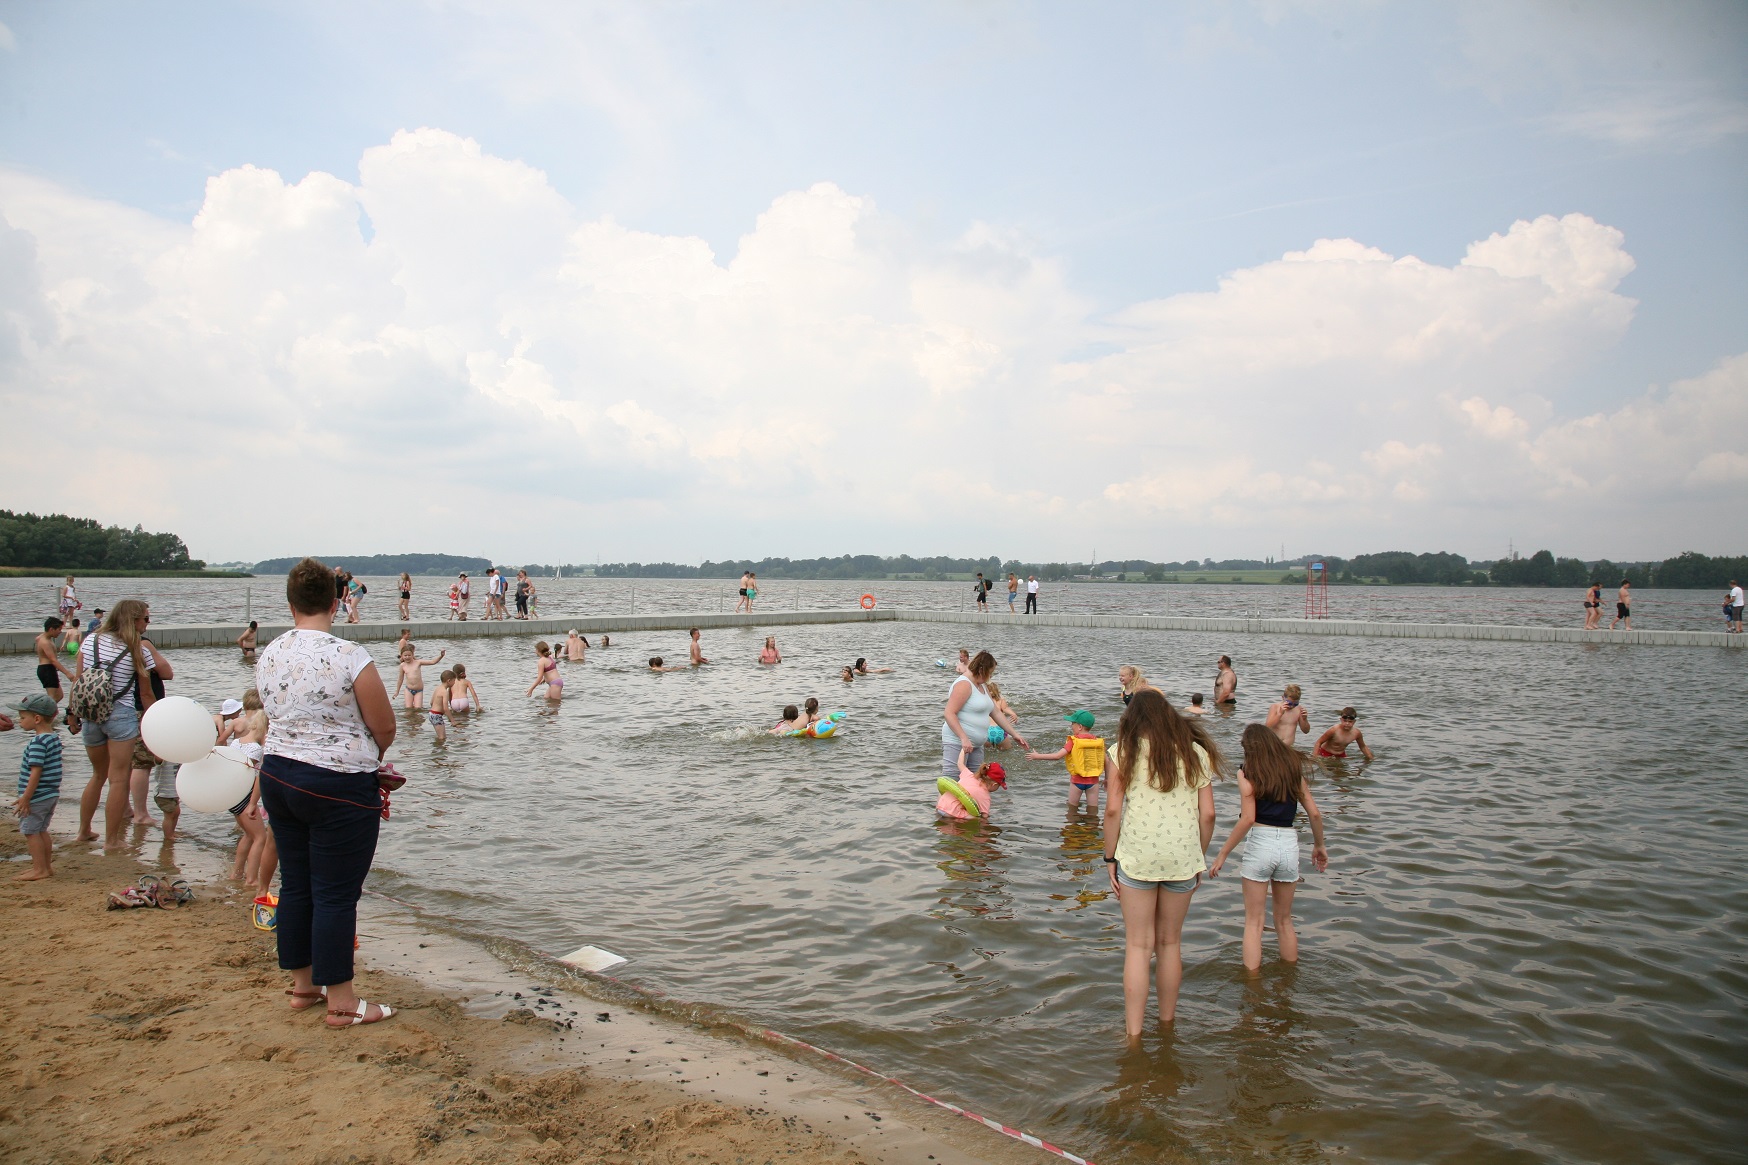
1316 591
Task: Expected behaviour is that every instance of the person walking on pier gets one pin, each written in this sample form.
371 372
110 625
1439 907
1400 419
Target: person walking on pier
1623 606
1735 607
1031 594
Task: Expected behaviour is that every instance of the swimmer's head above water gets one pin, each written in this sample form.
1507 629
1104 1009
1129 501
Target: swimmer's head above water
790 712
848 675
655 661
1196 699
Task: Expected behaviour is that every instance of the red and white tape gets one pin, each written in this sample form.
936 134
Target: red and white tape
1005 1130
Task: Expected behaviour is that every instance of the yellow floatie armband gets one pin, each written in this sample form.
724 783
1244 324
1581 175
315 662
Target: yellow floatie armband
1086 759
957 792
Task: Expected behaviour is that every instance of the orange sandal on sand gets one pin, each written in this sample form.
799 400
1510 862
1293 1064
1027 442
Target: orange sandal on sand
354 1018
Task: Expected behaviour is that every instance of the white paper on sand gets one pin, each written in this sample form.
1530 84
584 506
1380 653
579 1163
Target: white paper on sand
592 959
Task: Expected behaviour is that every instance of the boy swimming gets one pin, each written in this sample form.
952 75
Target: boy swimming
793 721
1332 745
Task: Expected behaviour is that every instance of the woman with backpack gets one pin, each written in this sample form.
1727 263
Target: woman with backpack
111 662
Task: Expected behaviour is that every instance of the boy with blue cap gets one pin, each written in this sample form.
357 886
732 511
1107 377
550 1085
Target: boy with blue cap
39 781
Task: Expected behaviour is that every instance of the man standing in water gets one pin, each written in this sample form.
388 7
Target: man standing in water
1225 683
1286 718
698 659
1031 594
1623 606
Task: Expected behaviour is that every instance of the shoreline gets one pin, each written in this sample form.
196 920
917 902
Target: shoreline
160 1035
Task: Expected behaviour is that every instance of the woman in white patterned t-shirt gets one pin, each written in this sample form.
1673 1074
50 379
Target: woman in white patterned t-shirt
329 721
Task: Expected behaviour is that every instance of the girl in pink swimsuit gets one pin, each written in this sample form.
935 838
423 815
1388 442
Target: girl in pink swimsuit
548 674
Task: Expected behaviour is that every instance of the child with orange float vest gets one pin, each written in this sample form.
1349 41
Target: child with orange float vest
1084 754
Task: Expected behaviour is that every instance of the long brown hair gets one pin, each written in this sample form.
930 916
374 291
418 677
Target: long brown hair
123 623
1275 770
1171 742
981 667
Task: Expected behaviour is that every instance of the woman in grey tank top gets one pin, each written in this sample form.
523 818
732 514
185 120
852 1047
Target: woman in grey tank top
965 727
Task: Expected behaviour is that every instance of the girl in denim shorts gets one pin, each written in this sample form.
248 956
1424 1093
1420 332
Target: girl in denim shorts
1274 781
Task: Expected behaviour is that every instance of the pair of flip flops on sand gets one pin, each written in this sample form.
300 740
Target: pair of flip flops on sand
353 1018
152 890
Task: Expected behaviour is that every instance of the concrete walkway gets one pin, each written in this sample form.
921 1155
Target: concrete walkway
13 642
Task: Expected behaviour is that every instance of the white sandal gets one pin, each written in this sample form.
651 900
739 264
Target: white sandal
357 1017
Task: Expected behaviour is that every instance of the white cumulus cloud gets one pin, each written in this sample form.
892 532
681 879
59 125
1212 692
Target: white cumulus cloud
447 354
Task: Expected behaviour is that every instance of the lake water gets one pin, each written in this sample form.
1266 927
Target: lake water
1528 946
25 602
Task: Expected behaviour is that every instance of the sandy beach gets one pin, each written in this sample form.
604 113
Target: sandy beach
160 1035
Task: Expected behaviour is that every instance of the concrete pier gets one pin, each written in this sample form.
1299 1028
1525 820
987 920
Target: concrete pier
14 641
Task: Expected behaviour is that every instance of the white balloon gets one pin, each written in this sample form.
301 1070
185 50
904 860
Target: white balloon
178 730
215 782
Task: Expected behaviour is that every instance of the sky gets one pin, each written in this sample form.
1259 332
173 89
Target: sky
568 282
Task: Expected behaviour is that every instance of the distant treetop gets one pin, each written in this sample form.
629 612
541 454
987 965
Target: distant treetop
385 564
60 542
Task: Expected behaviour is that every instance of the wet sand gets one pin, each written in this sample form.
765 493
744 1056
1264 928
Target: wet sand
161 1035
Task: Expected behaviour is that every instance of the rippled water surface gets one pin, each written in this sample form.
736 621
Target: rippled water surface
1528 946
24 602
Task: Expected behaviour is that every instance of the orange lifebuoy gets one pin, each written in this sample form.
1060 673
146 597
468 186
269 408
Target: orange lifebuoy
867 602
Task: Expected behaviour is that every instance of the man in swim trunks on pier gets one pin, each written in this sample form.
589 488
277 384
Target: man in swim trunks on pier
1287 718
1623 606
1332 745
1225 683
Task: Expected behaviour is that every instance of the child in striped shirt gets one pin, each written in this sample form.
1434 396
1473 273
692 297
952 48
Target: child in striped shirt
39 782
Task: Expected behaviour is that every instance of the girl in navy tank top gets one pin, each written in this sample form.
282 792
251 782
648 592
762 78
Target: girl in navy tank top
1274 782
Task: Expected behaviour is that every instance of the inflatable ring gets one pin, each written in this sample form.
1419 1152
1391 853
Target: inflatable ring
822 728
957 792
868 602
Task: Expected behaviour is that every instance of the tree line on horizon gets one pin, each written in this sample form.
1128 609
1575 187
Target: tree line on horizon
1399 567
62 542
368 565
